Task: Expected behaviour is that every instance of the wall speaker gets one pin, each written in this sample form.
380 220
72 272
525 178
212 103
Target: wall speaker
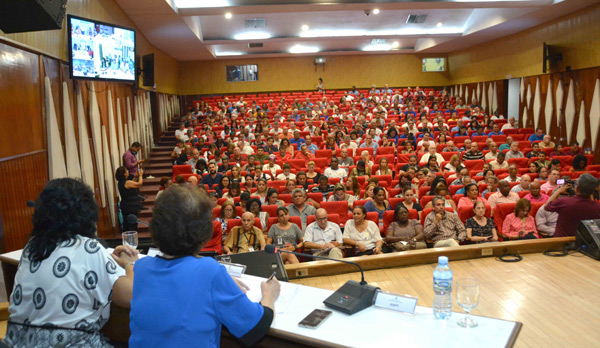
587 238
17 16
148 69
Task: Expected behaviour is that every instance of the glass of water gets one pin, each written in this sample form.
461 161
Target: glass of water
130 238
467 296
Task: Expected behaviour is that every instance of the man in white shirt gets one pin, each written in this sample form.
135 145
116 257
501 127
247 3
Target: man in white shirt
324 238
181 133
512 124
426 139
523 184
493 154
432 152
334 171
245 149
514 151
512 174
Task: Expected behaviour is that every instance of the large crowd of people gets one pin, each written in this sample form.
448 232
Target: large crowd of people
376 150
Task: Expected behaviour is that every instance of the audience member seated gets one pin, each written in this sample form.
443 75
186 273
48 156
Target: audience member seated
579 163
471 197
285 235
378 204
558 151
504 195
506 145
48 297
551 184
547 142
523 185
384 168
271 167
535 195
432 165
410 201
324 187
213 178
299 206
535 151
499 162
304 154
512 174
235 190
273 198
514 151
340 195
227 213
404 233
362 234
287 173
453 165
311 173
520 225
537 136
466 180
480 229
254 206
361 169
181 226
473 153
244 238
579 207
546 222
334 170
450 147
323 238
236 175
443 227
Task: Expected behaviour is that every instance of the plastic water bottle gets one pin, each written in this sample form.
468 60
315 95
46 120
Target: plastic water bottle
442 286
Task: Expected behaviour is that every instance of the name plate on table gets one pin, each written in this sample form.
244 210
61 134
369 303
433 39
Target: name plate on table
396 302
234 269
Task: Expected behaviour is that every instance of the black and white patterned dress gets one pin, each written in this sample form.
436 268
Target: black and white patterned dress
63 300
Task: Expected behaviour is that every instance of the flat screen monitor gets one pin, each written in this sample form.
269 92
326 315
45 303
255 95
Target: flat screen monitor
434 64
101 51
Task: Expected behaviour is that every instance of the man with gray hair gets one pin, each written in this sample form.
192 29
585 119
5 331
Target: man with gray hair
444 228
323 237
571 210
299 206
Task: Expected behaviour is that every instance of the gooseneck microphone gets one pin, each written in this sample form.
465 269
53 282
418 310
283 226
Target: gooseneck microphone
271 249
352 297
132 219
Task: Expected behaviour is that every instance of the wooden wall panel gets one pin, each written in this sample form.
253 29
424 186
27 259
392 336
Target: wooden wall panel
299 73
23 180
54 42
22 116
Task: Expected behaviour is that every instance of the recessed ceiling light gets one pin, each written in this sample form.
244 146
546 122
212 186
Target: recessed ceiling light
304 49
253 35
225 53
379 47
376 11
396 44
228 15
439 25
304 27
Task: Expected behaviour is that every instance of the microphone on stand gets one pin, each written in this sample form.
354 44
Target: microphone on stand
352 297
132 219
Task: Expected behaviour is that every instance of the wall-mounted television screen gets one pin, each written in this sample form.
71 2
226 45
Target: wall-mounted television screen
237 73
101 51
434 64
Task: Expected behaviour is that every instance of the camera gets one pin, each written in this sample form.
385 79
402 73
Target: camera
564 181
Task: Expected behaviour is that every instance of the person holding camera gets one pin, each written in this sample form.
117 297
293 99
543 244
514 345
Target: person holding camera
573 209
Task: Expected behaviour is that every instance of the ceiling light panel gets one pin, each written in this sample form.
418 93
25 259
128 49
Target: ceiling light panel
252 35
201 3
303 49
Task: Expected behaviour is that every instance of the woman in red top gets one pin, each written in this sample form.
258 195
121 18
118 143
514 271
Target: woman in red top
520 225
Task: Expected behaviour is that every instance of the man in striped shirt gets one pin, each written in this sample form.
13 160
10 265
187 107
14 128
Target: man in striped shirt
443 227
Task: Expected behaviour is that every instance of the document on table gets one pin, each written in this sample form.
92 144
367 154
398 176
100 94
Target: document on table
286 296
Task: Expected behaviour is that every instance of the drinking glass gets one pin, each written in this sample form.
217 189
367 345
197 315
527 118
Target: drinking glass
130 238
467 296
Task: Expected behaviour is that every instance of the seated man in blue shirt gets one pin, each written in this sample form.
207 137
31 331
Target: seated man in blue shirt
495 130
296 140
537 136
213 178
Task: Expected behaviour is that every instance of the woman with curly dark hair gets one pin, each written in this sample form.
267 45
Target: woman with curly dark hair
197 296
66 279
130 199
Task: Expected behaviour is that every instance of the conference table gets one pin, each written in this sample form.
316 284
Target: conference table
372 327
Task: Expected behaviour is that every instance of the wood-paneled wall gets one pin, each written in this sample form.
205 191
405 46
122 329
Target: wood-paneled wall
576 35
54 42
564 114
299 73
23 132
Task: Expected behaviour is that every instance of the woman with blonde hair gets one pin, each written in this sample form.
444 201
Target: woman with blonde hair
383 168
311 173
452 165
369 194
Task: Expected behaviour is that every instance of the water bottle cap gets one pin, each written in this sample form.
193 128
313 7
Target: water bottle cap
443 260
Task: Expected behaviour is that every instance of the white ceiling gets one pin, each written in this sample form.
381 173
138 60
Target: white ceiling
198 29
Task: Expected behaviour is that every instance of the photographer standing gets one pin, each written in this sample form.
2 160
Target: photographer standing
130 199
573 209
